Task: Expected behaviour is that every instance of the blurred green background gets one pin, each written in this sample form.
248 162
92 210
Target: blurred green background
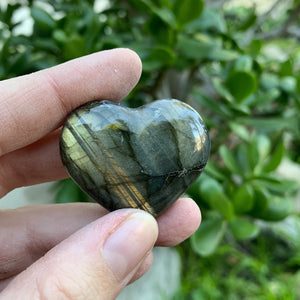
238 64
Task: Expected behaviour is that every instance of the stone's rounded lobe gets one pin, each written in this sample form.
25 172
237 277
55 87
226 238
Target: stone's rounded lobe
142 158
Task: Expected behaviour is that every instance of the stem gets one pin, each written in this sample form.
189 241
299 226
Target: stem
284 30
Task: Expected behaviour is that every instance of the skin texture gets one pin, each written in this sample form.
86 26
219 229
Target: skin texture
39 244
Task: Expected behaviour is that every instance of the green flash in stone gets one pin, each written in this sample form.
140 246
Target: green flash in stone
142 158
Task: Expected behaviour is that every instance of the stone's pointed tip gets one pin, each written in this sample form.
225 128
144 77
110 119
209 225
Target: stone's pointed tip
120 156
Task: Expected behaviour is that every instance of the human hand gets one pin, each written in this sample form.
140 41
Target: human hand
71 251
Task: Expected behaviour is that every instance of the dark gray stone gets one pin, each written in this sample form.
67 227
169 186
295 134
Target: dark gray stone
142 158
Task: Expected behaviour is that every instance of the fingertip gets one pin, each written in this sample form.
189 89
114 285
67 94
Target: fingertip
178 222
127 66
133 60
192 209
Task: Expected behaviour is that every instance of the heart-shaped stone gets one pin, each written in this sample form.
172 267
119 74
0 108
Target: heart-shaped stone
142 158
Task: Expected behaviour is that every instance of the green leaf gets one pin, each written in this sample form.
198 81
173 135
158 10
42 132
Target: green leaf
165 55
221 89
269 207
273 124
195 49
223 55
277 186
229 160
290 231
255 47
263 144
243 229
75 47
241 84
18 63
203 47
253 154
160 31
243 199
68 192
209 235
212 104
194 190
244 159
243 63
209 19
7 15
286 68
275 159
60 36
42 19
259 150
213 171
213 193
164 13
278 209
288 84
269 80
151 65
260 99
248 22
240 108
187 10
260 204
240 130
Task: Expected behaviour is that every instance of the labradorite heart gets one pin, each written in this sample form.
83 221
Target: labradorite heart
142 158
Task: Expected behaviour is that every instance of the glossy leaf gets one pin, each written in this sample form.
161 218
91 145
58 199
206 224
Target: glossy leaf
75 47
209 235
212 170
68 191
286 68
209 19
260 204
255 47
43 19
214 194
241 84
278 209
243 63
222 90
273 124
274 160
188 10
229 159
211 104
164 13
243 199
195 49
248 22
240 130
242 229
244 160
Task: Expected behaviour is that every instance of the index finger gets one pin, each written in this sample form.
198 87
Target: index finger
33 105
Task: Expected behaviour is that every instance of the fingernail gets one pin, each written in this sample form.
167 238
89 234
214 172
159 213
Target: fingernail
130 243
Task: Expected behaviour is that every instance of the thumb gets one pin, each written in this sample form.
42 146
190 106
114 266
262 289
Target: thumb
96 262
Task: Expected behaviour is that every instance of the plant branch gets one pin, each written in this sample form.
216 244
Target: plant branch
285 28
270 11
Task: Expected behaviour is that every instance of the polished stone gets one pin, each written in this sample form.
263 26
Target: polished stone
142 158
